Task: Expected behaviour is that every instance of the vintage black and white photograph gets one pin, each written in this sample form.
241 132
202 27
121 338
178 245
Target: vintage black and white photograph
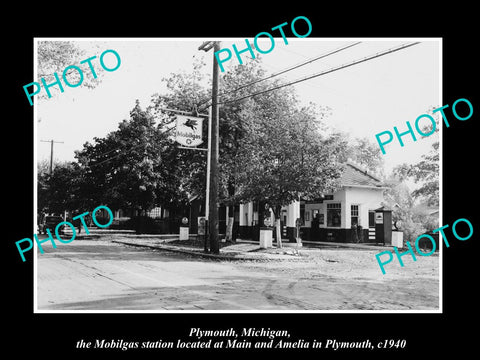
277 174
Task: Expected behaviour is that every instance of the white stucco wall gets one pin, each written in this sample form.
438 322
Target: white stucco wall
338 197
367 199
246 214
293 213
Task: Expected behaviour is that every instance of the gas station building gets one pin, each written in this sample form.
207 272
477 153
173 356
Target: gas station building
351 214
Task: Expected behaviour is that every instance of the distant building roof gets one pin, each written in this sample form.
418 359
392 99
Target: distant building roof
354 175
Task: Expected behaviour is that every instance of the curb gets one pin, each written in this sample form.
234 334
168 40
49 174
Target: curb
318 244
347 245
188 252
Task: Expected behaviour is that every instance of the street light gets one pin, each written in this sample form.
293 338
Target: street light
213 191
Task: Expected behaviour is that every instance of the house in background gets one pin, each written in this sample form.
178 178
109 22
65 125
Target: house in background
334 217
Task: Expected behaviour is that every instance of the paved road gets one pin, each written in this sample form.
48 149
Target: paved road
101 275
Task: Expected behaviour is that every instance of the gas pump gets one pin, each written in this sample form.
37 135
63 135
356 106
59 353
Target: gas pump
383 226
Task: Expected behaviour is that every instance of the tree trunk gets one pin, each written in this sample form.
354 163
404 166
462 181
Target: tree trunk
230 209
229 229
278 232
277 226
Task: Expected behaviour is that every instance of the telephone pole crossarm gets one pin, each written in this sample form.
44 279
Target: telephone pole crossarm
51 151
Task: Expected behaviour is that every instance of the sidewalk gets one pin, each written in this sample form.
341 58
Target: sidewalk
237 251
319 244
241 250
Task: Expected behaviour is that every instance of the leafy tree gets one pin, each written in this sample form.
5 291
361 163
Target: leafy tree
62 187
366 153
131 167
270 148
426 172
43 177
231 127
57 192
55 56
401 171
268 142
359 150
408 211
411 208
284 157
398 197
184 93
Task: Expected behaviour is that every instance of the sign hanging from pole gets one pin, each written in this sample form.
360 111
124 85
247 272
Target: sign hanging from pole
189 130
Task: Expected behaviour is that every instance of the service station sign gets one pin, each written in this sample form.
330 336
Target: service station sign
189 130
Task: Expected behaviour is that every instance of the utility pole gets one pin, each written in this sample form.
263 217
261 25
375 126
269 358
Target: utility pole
51 152
207 190
213 191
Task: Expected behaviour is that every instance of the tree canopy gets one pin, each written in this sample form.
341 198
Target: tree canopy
272 148
413 209
132 167
359 150
55 56
426 172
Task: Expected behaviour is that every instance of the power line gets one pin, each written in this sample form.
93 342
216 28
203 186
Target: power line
109 151
123 146
389 51
293 67
122 152
111 158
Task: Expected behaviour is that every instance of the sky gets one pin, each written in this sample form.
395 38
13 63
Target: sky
365 99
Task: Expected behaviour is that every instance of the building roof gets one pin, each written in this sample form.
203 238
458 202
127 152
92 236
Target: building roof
354 175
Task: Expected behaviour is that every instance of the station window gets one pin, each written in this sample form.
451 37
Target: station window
354 214
334 214
155 212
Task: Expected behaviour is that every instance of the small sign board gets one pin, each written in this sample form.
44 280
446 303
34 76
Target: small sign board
379 218
189 130
184 233
268 221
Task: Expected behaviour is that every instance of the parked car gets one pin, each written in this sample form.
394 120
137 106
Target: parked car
50 222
